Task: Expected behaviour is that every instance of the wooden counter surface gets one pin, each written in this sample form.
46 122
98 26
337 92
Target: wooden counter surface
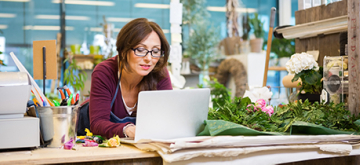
125 154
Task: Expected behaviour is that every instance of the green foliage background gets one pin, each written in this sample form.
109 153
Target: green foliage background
283 47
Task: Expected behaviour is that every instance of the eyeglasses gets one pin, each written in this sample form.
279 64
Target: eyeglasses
142 52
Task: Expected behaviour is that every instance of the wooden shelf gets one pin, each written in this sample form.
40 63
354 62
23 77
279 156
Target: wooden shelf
311 29
90 56
277 68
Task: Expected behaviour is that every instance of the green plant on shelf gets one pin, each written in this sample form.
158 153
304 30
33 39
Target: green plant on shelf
74 75
246 26
257 26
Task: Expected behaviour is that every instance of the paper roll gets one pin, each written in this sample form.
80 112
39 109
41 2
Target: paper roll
288 84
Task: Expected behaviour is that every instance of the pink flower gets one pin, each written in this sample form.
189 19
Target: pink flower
269 110
69 145
90 143
252 108
261 103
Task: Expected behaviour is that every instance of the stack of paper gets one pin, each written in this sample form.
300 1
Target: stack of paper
226 146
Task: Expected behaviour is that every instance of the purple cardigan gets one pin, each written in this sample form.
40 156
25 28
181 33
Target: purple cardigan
103 85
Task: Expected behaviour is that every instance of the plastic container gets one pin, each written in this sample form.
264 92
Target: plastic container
57 124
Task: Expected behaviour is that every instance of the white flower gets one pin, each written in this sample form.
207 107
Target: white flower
299 62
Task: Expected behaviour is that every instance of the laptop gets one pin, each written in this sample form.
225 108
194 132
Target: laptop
170 114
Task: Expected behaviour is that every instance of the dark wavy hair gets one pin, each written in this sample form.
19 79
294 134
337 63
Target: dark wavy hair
130 36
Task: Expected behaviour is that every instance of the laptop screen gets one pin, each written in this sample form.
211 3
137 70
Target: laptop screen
170 114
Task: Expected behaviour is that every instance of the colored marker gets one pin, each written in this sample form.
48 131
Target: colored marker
69 100
56 103
51 104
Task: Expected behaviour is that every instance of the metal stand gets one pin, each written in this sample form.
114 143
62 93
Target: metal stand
44 68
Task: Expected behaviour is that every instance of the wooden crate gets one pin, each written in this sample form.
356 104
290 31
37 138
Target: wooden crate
328 45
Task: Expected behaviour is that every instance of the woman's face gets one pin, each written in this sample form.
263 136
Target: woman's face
144 65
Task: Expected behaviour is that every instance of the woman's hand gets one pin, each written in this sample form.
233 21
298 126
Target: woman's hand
130 131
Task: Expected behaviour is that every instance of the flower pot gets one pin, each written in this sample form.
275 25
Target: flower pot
204 78
311 97
256 45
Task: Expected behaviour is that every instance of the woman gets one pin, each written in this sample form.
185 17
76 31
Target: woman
140 65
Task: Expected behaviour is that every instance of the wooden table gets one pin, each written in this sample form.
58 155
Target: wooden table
125 154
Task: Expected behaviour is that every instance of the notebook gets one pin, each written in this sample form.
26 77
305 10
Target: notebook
170 114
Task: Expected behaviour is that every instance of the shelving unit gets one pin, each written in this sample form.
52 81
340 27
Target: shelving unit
318 28
313 29
277 68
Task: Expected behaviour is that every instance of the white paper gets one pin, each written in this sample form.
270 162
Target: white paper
176 13
34 87
175 28
175 53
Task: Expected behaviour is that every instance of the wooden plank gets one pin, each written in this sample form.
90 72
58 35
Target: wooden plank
312 14
300 17
353 55
328 46
277 68
300 45
332 10
142 161
82 154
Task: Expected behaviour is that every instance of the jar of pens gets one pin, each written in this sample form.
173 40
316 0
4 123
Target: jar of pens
57 121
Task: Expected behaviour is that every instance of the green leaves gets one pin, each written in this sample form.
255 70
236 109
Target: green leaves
257 26
310 80
203 37
295 118
283 47
201 45
194 10
75 76
246 26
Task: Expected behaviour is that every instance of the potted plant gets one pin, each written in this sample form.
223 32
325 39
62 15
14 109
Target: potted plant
257 26
201 46
305 68
283 48
246 30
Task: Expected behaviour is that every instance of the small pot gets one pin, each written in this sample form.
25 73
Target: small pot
311 97
256 44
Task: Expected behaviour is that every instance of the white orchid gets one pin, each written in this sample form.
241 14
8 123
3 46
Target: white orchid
300 62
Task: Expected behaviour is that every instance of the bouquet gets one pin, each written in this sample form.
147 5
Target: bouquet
305 67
